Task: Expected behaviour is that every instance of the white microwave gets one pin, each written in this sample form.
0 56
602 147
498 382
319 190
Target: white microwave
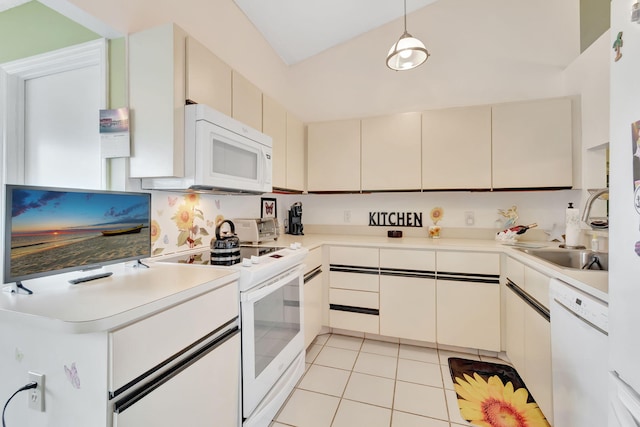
222 155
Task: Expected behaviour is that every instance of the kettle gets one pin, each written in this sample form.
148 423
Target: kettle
225 249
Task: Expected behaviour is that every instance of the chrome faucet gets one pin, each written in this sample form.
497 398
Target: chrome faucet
592 198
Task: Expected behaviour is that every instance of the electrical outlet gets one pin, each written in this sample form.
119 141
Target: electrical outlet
36 395
469 218
347 216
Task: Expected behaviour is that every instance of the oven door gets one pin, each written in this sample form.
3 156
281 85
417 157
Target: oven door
272 334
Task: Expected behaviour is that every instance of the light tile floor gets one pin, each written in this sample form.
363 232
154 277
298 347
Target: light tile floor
352 381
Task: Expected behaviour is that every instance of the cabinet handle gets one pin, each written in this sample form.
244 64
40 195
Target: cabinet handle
529 300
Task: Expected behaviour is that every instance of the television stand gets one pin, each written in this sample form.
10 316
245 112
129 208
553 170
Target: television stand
140 264
15 289
89 278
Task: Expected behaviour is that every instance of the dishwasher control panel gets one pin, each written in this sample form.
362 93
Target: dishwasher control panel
581 304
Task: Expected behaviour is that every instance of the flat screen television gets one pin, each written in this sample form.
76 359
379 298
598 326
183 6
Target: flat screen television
55 230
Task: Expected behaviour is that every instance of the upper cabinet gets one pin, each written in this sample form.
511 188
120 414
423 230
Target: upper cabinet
333 150
456 148
287 132
208 78
156 98
391 152
296 159
246 105
274 124
532 146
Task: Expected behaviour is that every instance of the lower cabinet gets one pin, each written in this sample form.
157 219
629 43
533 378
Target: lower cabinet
354 287
528 331
468 299
312 296
408 294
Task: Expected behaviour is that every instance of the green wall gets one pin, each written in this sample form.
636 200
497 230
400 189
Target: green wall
594 20
33 28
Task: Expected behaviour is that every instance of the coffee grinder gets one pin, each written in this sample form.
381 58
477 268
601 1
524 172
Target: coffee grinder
295 219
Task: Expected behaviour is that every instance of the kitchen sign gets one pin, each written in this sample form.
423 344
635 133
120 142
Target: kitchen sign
395 219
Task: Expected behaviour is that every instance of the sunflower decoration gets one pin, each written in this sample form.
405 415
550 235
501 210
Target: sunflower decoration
185 219
490 403
436 215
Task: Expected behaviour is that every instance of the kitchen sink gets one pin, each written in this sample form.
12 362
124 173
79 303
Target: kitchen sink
579 259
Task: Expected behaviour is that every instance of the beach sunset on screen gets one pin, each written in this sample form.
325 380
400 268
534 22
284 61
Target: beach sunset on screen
55 229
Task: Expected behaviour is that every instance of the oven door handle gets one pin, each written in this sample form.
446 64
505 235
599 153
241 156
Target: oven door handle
272 285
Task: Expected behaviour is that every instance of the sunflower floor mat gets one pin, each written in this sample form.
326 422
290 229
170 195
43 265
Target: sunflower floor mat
493 395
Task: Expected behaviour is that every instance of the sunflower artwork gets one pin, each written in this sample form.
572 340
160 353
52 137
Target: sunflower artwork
493 395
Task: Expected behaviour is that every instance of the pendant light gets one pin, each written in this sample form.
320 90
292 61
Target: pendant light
408 52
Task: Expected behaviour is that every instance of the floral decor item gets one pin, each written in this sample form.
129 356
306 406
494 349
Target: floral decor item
511 216
436 215
490 403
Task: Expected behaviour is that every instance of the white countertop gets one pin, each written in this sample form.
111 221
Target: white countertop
105 304
595 283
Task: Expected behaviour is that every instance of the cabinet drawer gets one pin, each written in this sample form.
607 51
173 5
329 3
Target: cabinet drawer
313 260
468 262
344 255
141 346
408 259
354 321
354 281
354 298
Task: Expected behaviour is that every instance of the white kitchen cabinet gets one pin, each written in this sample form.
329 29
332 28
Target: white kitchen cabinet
246 101
528 331
354 288
274 124
101 360
208 78
296 158
532 144
391 152
538 360
287 132
313 295
456 148
157 99
468 299
408 294
333 156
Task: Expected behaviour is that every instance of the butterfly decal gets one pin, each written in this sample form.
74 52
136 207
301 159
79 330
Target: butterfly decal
160 212
210 223
217 202
165 240
72 375
172 200
268 208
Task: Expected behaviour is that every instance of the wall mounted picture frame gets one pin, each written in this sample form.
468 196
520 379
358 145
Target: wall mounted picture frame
268 207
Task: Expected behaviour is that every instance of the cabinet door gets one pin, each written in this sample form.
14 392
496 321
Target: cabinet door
312 309
205 393
532 144
208 78
274 124
536 284
296 159
456 148
408 308
391 152
333 156
246 105
514 330
538 361
157 97
468 314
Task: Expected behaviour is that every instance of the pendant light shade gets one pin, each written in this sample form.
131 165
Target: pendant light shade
408 52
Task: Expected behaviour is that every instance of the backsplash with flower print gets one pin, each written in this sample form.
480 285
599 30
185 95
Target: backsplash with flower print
180 222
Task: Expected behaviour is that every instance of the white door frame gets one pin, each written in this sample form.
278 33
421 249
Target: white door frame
13 102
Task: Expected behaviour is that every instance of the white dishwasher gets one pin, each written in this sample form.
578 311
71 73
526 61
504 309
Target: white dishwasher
579 348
